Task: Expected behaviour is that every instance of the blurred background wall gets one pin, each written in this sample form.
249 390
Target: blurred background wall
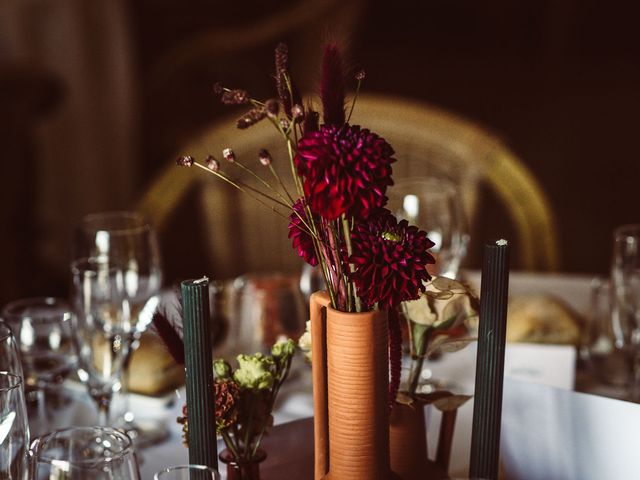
98 96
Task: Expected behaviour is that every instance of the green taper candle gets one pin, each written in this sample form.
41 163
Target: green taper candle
487 411
199 373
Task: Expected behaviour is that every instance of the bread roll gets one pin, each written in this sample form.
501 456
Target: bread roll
542 319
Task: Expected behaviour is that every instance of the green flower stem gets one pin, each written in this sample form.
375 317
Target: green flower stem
347 240
281 378
247 433
415 375
228 441
277 177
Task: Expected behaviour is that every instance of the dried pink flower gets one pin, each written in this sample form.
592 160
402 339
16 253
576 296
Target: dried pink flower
235 97
212 163
265 157
185 161
229 155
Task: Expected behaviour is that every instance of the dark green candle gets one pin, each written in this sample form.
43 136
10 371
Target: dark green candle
199 373
487 411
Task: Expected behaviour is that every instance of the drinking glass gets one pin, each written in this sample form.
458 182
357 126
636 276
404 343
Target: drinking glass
625 283
42 328
434 205
101 328
124 240
14 429
9 356
187 472
598 342
97 453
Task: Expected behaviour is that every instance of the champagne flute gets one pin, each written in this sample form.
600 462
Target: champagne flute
433 204
187 472
42 328
125 240
101 327
625 283
98 453
14 429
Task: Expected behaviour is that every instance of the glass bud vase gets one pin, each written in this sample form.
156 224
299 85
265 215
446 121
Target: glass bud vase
242 469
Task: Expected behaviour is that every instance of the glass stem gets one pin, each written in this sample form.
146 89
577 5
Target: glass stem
103 402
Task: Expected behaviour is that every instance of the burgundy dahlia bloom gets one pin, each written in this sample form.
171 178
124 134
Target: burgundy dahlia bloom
391 260
300 236
345 170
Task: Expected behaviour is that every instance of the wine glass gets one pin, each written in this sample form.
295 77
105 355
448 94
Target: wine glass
42 328
98 453
101 328
9 356
434 205
126 241
14 429
625 295
187 472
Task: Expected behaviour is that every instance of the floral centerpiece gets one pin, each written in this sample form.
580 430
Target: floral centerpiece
337 220
371 261
244 400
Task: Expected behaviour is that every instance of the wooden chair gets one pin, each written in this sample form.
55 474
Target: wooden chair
243 236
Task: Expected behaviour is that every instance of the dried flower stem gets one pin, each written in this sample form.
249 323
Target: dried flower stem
247 190
286 202
355 97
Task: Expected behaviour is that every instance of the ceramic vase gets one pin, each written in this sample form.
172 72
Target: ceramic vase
350 391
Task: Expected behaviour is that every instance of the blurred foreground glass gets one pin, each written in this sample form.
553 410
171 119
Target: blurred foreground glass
9 352
14 429
125 241
101 327
598 345
97 453
187 472
42 328
625 282
435 206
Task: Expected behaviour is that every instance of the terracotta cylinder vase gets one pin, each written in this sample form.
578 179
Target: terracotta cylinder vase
408 442
350 391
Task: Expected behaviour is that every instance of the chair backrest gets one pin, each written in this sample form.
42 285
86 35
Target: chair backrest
244 236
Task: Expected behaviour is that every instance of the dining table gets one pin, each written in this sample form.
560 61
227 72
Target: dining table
289 443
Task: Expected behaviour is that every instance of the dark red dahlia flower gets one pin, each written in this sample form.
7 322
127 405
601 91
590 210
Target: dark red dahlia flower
345 170
390 260
299 234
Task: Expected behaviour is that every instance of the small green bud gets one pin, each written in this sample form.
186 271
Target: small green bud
221 368
283 348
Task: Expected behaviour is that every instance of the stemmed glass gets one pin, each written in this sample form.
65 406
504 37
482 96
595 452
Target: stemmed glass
433 204
625 284
187 472
125 241
14 429
9 353
42 327
101 326
97 453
